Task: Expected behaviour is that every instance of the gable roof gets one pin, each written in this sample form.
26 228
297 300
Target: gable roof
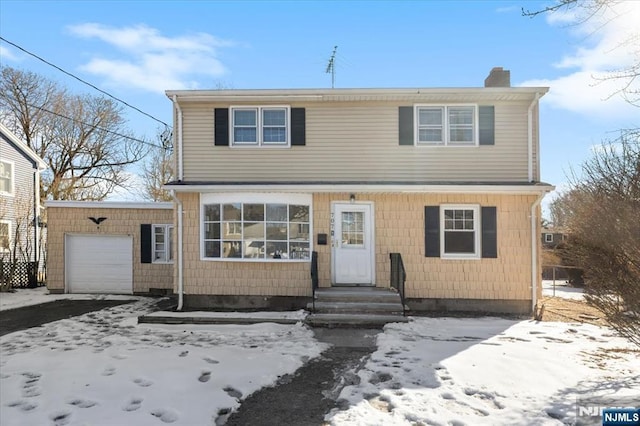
22 147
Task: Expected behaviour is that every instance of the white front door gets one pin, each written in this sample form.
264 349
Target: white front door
353 245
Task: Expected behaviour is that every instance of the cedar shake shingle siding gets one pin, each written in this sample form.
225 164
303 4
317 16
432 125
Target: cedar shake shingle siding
399 227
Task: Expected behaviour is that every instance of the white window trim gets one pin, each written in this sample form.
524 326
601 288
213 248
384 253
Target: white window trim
168 229
259 131
12 190
445 126
476 229
548 238
255 198
7 250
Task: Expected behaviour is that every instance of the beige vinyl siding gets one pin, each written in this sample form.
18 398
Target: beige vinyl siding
356 141
399 227
122 221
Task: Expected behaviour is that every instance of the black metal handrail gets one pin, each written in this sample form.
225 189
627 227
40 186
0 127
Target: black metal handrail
398 276
314 277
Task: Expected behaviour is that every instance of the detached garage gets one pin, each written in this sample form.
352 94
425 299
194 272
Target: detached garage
109 248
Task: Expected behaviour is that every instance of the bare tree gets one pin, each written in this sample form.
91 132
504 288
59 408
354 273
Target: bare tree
158 169
83 139
603 11
603 218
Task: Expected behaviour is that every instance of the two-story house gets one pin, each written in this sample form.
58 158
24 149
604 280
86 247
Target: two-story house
20 240
447 177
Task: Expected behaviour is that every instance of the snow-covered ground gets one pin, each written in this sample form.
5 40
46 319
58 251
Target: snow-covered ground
487 371
562 289
103 369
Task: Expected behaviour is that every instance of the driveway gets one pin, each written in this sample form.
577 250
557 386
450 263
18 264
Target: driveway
13 320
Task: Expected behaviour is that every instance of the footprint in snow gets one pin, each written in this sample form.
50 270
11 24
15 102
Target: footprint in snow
204 376
60 418
143 382
183 353
82 403
109 371
233 392
133 404
166 415
211 361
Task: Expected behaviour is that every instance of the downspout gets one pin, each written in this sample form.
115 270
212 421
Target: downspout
534 252
530 137
179 176
179 254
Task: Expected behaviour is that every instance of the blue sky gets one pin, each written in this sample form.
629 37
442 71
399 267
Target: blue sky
138 49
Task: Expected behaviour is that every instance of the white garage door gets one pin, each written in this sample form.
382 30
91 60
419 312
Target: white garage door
99 264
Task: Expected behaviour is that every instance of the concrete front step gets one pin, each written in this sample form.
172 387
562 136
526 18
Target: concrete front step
357 294
352 320
332 307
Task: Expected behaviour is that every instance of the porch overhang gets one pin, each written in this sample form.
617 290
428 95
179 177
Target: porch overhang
514 188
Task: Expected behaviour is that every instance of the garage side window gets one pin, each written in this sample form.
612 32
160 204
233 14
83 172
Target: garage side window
156 243
162 243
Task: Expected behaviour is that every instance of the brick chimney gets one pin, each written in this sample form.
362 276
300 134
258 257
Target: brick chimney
498 77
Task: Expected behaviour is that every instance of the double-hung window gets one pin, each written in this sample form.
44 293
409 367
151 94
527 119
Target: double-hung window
6 177
162 243
460 231
5 236
447 125
260 126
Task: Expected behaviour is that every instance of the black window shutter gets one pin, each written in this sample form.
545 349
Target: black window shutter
145 244
405 125
432 231
486 118
298 130
221 122
489 232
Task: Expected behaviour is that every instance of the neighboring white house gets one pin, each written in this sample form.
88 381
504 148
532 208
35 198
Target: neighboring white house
20 169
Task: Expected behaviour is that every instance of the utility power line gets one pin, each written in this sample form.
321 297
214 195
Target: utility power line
83 81
41 108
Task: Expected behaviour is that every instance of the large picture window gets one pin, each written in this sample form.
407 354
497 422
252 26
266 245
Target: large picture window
256 230
260 126
446 125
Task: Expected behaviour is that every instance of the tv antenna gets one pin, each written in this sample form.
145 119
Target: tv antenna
331 67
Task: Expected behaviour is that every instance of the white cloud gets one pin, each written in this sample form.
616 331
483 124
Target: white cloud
609 40
7 54
151 61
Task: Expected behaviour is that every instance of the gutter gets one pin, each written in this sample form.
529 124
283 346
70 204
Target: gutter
534 252
530 137
179 251
178 138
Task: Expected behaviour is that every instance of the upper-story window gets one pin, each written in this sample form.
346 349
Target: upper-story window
449 125
6 177
260 126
